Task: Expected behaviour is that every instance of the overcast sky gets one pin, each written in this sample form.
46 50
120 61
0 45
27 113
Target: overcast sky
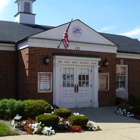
108 16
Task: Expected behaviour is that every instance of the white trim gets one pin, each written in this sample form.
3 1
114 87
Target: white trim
76 60
23 45
7 47
126 80
59 61
48 43
128 55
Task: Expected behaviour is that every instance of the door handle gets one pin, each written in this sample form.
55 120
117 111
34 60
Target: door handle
75 89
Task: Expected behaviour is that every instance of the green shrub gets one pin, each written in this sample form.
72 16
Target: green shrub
124 105
136 110
134 101
78 120
9 108
131 96
48 120
63 112
33 108
120 100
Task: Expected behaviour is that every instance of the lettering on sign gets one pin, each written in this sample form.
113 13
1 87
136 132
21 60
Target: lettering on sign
74 62
92 63
84 62
44 82
77 48
59 61
66 61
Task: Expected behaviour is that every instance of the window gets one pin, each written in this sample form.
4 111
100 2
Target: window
27 7
68 77
121 77
83 77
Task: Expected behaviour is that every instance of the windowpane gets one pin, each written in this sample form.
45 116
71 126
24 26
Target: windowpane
83 77
121 77
68 77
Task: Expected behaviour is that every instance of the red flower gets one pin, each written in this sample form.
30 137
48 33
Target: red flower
30 132
137 117
76 128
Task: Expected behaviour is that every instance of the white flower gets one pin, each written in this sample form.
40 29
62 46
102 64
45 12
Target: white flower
77 114
48 131
91 126
124 112
13 122
53 132
35 130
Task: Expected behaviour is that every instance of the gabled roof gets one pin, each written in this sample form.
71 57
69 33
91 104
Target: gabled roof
13 32
125 44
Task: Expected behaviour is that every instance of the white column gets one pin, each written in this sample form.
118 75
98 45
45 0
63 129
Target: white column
56 84
94 91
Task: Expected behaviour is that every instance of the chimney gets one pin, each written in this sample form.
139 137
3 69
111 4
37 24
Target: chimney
25 15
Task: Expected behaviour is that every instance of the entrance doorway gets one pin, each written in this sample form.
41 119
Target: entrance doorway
76 86
75 81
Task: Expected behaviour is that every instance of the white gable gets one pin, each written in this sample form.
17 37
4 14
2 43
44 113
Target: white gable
81 37
88 35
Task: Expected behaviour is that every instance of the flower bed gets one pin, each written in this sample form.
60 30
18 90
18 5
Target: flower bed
33 127
125 109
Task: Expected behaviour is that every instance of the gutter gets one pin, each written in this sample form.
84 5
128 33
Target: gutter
7 42
128 52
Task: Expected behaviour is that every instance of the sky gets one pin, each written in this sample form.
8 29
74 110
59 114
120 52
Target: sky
120 17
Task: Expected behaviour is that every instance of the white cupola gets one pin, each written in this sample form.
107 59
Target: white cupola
25 9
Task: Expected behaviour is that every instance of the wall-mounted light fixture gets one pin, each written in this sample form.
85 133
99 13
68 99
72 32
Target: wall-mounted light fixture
46 60
105 62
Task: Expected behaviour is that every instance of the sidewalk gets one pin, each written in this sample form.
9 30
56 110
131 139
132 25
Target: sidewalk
114 127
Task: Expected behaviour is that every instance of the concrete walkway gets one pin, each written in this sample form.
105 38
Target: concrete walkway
114 127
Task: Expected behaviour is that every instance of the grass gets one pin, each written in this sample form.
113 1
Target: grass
5 130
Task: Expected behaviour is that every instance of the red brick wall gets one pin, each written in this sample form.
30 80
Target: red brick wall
133 75
30 66
7 74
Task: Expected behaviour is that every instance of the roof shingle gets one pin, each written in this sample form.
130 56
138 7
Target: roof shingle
125 44
13 32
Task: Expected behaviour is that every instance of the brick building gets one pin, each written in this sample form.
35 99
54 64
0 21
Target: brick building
94 70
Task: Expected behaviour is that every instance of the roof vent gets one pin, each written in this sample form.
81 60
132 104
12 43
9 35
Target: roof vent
25 14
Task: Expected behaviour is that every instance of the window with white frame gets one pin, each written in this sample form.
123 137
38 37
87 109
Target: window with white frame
121 77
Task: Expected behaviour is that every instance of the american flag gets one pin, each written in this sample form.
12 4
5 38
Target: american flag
65 37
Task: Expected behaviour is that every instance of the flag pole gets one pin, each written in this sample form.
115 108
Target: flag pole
59 43
67 28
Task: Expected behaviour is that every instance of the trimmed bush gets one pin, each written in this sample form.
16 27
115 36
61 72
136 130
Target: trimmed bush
48 120
131 96
124 105
78 120
120 100
63 112
134 101
136 110
33 108
9 108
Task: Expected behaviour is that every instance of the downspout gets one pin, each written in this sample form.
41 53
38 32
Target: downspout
16 71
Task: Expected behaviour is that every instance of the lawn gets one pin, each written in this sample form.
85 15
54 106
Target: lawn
5 130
